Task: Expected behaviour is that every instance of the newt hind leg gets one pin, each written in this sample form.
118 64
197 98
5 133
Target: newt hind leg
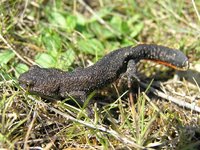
131 72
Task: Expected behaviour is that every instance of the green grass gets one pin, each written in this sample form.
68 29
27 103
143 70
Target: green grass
69 34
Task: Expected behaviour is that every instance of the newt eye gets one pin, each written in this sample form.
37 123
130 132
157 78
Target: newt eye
29 83
26 84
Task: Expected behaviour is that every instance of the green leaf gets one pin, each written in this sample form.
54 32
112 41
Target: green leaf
71 23
100 31
136 29
127 42
91 46
96 28
112 45
134 19
20 68
87 35
116 23
66 59
104 11
81 20
125 28
45 60
52 41
57 19
6 56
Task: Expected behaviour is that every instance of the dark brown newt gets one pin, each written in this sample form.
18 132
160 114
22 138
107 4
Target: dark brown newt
55 83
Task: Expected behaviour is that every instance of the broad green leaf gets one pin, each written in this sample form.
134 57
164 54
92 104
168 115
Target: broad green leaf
6 56
58 19
66 59
51 41
71 23
127 42
100 31
135 25
136 29
125 28
45 60
95 28
81 20
104 11
116 23
91 46
20 68
112 45
134 19
87 35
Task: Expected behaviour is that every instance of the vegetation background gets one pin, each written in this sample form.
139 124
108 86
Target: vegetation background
76 33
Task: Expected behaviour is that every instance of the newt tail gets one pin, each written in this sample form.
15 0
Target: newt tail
170 57
56 83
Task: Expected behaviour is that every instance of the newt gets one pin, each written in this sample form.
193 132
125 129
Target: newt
57 84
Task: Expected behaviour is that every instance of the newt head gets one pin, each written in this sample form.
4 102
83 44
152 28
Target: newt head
41 81
27 79
36 80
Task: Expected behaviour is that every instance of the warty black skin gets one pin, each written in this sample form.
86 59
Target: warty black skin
55 83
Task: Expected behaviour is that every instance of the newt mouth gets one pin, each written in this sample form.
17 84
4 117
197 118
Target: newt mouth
25 84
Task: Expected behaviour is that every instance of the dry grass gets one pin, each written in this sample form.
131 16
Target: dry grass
49 33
